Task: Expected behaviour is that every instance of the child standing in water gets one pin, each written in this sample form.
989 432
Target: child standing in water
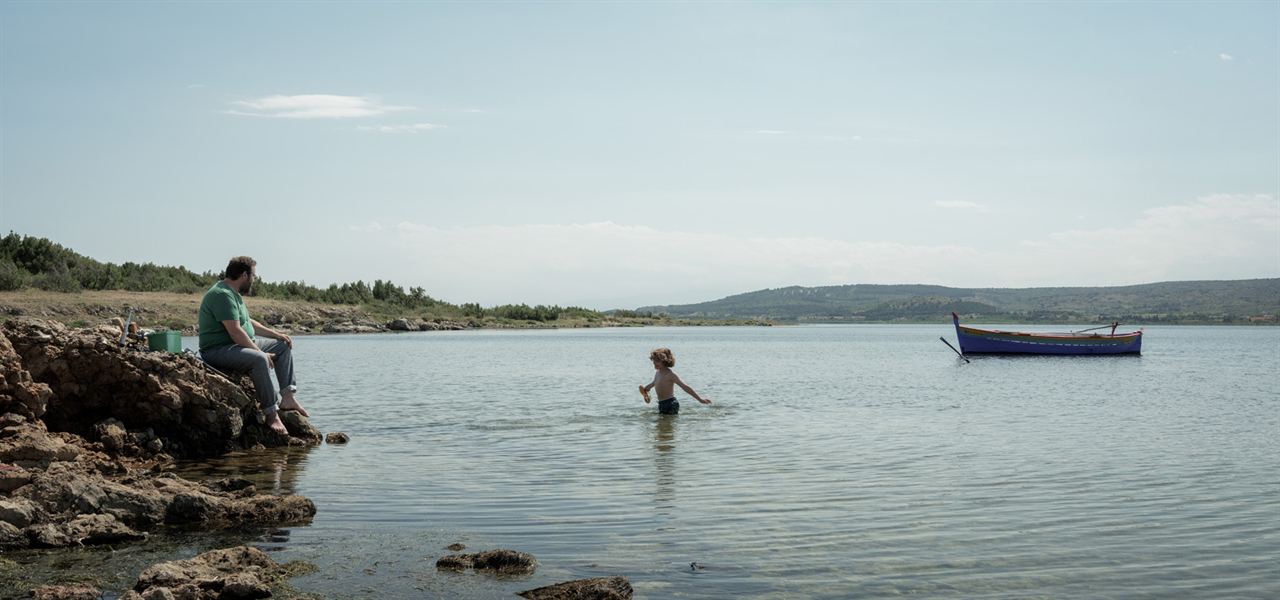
665 380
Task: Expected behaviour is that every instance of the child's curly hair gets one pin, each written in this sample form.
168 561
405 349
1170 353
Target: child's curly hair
664 356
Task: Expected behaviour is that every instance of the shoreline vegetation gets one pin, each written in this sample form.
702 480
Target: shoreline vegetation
42 279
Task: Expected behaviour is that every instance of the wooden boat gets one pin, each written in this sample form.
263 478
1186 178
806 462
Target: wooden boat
994 341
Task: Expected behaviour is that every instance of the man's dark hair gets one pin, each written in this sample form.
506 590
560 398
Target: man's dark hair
238 266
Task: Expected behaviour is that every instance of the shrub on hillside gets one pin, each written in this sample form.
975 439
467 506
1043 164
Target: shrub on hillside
56 281
12 277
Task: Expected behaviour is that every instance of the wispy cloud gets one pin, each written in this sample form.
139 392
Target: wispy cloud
817 136
370 227
1224 57
314 106
960 205
609 265
842 138
1222 236
413 128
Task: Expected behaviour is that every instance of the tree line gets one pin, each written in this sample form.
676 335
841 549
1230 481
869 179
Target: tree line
34 262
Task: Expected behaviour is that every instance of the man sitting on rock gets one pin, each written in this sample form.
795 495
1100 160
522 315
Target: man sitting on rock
228 342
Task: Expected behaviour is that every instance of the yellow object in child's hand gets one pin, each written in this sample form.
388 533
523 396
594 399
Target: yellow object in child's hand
645 393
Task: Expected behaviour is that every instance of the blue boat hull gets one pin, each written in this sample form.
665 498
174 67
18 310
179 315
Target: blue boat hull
989 341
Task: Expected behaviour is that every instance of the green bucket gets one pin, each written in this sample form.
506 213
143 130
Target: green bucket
168 341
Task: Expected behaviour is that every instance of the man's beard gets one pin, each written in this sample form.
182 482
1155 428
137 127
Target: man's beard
246 287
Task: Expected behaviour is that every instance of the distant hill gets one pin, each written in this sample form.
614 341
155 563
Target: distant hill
1243 301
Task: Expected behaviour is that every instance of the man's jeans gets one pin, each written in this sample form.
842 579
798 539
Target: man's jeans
236 359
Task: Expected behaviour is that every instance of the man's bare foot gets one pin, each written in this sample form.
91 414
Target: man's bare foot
276 424
290 402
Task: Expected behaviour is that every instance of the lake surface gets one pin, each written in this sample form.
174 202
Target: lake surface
837 462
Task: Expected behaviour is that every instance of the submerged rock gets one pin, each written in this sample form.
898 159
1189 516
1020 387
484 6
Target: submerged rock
77 591
598 588
232 485
336 437
500 561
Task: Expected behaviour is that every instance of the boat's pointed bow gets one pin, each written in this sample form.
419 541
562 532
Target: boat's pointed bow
955 320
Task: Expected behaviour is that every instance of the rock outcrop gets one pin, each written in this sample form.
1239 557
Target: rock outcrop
240 572
133 401
85 424
19 393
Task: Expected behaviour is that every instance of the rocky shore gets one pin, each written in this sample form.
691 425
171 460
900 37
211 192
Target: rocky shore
88 429
89 432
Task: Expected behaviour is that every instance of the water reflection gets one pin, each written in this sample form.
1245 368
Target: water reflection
274 471
664 463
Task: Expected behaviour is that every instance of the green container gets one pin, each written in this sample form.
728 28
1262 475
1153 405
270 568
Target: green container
169 341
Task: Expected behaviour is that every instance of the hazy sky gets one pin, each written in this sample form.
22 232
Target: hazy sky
622 154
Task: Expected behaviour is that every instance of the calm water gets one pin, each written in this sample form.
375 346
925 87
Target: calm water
837 462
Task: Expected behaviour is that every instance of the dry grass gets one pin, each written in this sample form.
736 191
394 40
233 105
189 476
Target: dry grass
151 309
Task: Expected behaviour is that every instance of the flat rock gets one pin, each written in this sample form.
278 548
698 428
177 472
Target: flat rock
300 427
598 588
86 530
13 477
18 512
31 447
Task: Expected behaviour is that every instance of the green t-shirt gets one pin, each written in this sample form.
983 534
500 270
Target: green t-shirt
221 303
